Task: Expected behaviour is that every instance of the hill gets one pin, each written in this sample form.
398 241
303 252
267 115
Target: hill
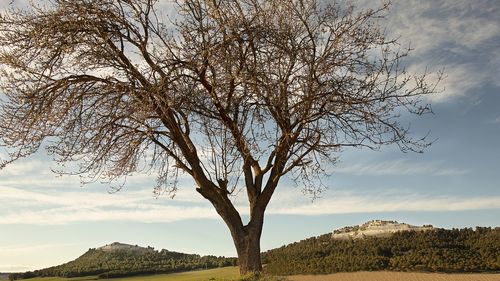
439 250
373 246
119 260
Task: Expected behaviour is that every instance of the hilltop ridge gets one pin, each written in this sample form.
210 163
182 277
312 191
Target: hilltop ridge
377 228
117 246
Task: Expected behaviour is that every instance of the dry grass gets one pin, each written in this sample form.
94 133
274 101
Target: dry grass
396 276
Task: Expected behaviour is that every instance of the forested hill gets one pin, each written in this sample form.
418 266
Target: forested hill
439 250
117 260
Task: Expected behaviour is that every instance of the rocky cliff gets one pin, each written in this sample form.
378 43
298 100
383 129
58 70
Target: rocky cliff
377 228
113 247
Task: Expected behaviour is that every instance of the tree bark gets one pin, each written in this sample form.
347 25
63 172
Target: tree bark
247 243
246 238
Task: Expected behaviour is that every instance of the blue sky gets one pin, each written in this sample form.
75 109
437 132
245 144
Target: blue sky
47 220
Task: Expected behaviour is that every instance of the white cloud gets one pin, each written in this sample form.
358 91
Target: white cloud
14 268
496 120
431 24
457 82
459 36
385 202
399 167
144 214
136 207
6 4
24 257
59 207
23 168
30 248
82 199
370 204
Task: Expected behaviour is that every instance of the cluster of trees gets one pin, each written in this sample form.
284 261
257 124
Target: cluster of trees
440 250
122 263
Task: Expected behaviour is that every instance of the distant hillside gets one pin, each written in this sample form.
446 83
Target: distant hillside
377 228
439 250
119 260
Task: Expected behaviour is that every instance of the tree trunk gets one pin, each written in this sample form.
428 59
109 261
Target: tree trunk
246 238
247 242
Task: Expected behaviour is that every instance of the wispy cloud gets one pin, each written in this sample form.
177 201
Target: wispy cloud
59 207
23 168
81 199
24 257
400 167
14 268
30 248
4 4
458 35
370 204
287 201
146 214
495 121
36 171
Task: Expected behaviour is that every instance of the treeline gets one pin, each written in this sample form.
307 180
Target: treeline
122 263
440 250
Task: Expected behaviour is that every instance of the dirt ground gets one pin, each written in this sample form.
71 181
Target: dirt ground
395 276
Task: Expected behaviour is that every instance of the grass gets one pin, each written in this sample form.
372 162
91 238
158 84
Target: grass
225 273
218 274
62 279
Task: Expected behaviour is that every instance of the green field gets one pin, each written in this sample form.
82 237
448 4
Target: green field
219 274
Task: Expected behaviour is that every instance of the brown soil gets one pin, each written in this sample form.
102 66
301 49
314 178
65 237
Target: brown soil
396 276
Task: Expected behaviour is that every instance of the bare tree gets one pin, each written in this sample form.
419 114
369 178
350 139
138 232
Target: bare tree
235 94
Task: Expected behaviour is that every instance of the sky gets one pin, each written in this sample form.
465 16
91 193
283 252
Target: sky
47 220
